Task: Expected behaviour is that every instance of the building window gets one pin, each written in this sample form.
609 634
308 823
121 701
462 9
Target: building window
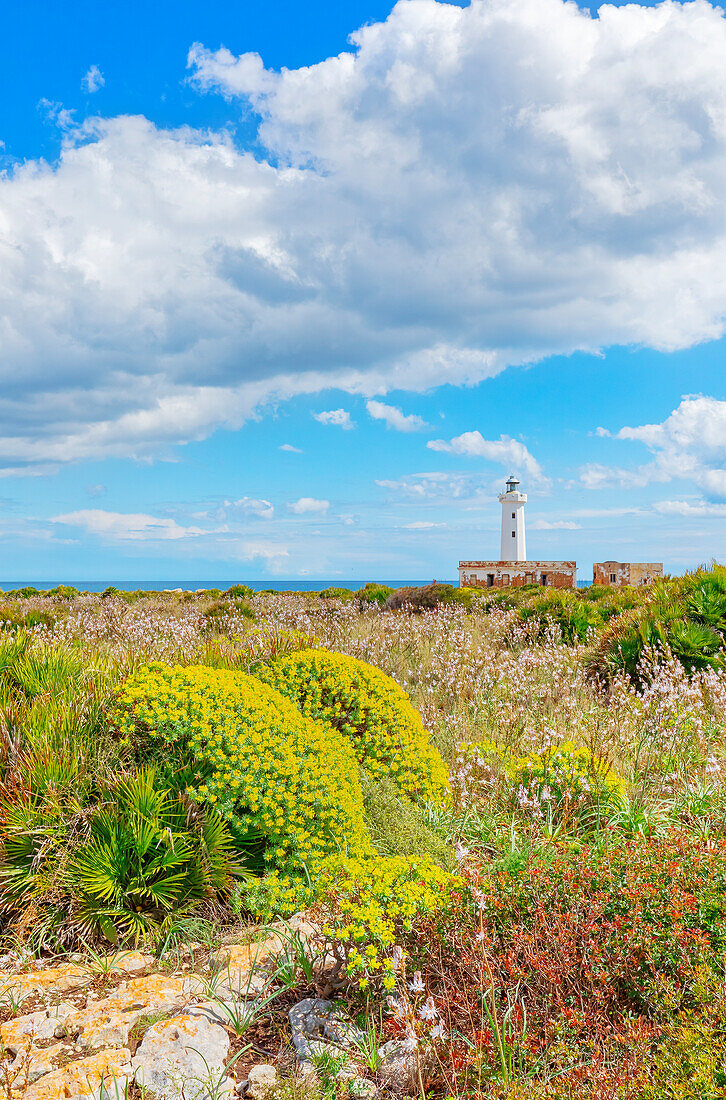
505 578
512 515
490 580
613 578
514 535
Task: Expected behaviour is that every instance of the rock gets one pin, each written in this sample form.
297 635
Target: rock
129 962
24 1031
107 1023
260 1079
399 1063
239 966
184 1057
31 1064
55 979
100 1074
316 1024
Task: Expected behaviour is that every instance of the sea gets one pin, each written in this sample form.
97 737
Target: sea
292 584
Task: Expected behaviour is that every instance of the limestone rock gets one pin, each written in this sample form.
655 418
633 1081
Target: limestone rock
24 1031
129 962
108 1022
184 1056
105 1072
55 979
317 1026
31 1064
260 1080
399 1063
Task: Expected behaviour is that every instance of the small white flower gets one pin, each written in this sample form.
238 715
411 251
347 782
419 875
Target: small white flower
417 985
398 1008
461 851
438 1031
428 1010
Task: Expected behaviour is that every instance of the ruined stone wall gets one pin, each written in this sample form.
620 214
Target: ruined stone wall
506 574
616 573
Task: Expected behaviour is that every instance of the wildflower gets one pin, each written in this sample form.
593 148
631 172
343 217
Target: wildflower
417 985
397 1007
428 1010
462 852
438 1031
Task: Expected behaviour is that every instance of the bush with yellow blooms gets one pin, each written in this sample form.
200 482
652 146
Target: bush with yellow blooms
238 744
368 907
370 709
560 779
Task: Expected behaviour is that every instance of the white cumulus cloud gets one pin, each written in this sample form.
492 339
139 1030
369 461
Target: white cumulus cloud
124 526
554 525
690 444
250 506
309 505
464 189
93 80
394 418
338 418
689 508
506 451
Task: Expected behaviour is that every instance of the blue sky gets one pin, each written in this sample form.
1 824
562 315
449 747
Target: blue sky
267 311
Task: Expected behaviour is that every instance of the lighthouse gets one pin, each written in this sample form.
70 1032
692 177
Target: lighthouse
514 547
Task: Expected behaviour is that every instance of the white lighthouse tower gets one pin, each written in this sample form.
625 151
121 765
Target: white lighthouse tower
514 547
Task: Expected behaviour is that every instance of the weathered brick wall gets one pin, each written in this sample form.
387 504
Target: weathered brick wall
504 574
626 572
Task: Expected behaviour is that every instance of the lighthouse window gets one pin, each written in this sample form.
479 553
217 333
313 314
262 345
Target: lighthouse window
513 534
512 515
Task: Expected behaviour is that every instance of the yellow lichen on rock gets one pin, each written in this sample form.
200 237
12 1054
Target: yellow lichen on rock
84 1077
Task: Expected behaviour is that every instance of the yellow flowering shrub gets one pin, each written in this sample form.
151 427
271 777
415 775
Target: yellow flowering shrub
371 709
556 779
367 906
250 752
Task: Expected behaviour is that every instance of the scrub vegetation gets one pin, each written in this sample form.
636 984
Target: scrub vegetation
506 810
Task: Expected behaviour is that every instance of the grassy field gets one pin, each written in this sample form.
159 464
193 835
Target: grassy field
548 921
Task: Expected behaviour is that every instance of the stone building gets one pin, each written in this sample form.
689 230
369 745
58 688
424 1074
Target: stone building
502 574
513 568
616 573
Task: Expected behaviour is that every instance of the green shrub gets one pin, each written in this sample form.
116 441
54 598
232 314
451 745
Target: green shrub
373 593
370 709
235 592
336 594
64 592
140 856
399 826
217 614
236 743
148 856
685 617
12 618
